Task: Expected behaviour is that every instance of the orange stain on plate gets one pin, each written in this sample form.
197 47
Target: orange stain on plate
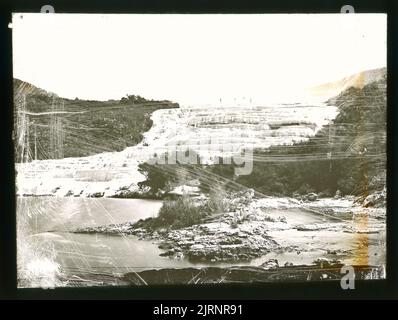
361 251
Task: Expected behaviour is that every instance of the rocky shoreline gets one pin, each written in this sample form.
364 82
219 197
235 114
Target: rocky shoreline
244 233
247 274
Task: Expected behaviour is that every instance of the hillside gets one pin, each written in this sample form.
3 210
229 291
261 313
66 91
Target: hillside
348 154
358 81
49 127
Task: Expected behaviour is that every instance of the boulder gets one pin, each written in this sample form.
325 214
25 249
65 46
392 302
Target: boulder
377 199
324 262
96 194
270 264
338 194
312 196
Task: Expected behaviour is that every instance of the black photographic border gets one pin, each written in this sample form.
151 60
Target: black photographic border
368 289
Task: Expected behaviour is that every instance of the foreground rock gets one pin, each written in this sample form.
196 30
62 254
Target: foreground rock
214 241
237 235
220 242
248 274
377 199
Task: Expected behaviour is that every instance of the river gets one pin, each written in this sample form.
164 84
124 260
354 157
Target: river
45 245
50 255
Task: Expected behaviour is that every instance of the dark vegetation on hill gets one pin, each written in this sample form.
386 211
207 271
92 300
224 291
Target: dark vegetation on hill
81 127
348 155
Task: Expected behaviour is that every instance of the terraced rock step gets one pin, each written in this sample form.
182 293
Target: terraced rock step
211 133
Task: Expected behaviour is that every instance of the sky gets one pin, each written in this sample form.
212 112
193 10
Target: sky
193 59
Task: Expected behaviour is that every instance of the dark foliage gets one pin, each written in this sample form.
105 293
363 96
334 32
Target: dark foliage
348 155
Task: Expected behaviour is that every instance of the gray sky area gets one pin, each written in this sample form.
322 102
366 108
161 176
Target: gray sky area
193 59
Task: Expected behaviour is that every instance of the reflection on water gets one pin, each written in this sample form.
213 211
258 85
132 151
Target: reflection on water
44 214
82 253
43 223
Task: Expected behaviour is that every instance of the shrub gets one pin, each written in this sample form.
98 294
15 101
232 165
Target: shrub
180 213
216 203
184 212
